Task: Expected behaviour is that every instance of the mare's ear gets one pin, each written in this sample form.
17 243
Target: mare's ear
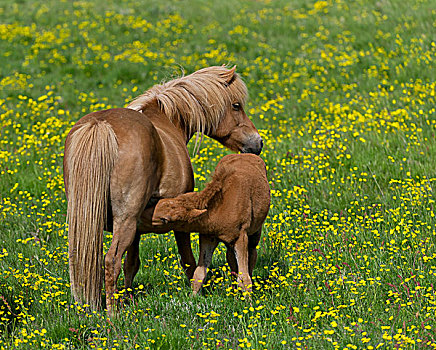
195 213
230 75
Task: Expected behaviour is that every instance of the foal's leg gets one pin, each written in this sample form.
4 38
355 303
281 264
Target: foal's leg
207 247
231 259
123 236
187 259
241 250
132 262
253 241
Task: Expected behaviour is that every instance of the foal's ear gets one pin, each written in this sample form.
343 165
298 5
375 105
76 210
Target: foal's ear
195 213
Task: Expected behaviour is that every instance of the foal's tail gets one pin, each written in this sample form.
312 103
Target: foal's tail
91 154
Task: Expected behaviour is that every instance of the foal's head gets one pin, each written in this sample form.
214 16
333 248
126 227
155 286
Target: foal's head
176 210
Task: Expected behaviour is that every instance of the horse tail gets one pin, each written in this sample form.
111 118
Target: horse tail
91 155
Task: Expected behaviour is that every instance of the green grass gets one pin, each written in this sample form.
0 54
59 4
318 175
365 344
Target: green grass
343 93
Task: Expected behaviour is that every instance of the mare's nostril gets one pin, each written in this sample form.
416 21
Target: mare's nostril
254 150
254 145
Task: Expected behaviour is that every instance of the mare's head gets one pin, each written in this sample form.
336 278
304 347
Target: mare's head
234 129
209 101
175 211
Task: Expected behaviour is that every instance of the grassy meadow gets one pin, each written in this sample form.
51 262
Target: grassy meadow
343 94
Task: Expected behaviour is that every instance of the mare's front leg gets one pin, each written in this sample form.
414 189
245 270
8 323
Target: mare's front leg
187 259
207 247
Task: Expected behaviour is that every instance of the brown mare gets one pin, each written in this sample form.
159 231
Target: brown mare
119 162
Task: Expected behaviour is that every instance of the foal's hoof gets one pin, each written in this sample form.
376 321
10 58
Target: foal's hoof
195 291
111 311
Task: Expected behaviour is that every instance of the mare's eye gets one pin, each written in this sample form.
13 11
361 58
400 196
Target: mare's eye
164 220
236 106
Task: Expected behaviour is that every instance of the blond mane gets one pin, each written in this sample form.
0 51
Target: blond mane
197 101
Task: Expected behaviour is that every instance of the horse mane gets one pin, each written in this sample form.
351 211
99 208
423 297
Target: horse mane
196 101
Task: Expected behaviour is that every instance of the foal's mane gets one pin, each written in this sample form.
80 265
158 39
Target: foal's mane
196 101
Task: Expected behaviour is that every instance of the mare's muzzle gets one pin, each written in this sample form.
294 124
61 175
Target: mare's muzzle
254 145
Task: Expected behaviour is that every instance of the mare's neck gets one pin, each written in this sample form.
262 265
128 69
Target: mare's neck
163 123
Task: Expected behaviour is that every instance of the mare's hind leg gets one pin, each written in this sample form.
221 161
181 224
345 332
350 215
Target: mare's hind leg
132 262
187 259
207 247
123 236
129 192
253 241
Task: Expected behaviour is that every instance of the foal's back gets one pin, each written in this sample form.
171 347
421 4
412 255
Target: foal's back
245 190
241 164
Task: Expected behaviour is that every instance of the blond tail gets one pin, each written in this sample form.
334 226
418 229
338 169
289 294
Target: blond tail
92 151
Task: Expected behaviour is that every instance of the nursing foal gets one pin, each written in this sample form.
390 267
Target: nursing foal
231 209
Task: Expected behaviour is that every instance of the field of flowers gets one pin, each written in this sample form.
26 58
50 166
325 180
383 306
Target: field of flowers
343 93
